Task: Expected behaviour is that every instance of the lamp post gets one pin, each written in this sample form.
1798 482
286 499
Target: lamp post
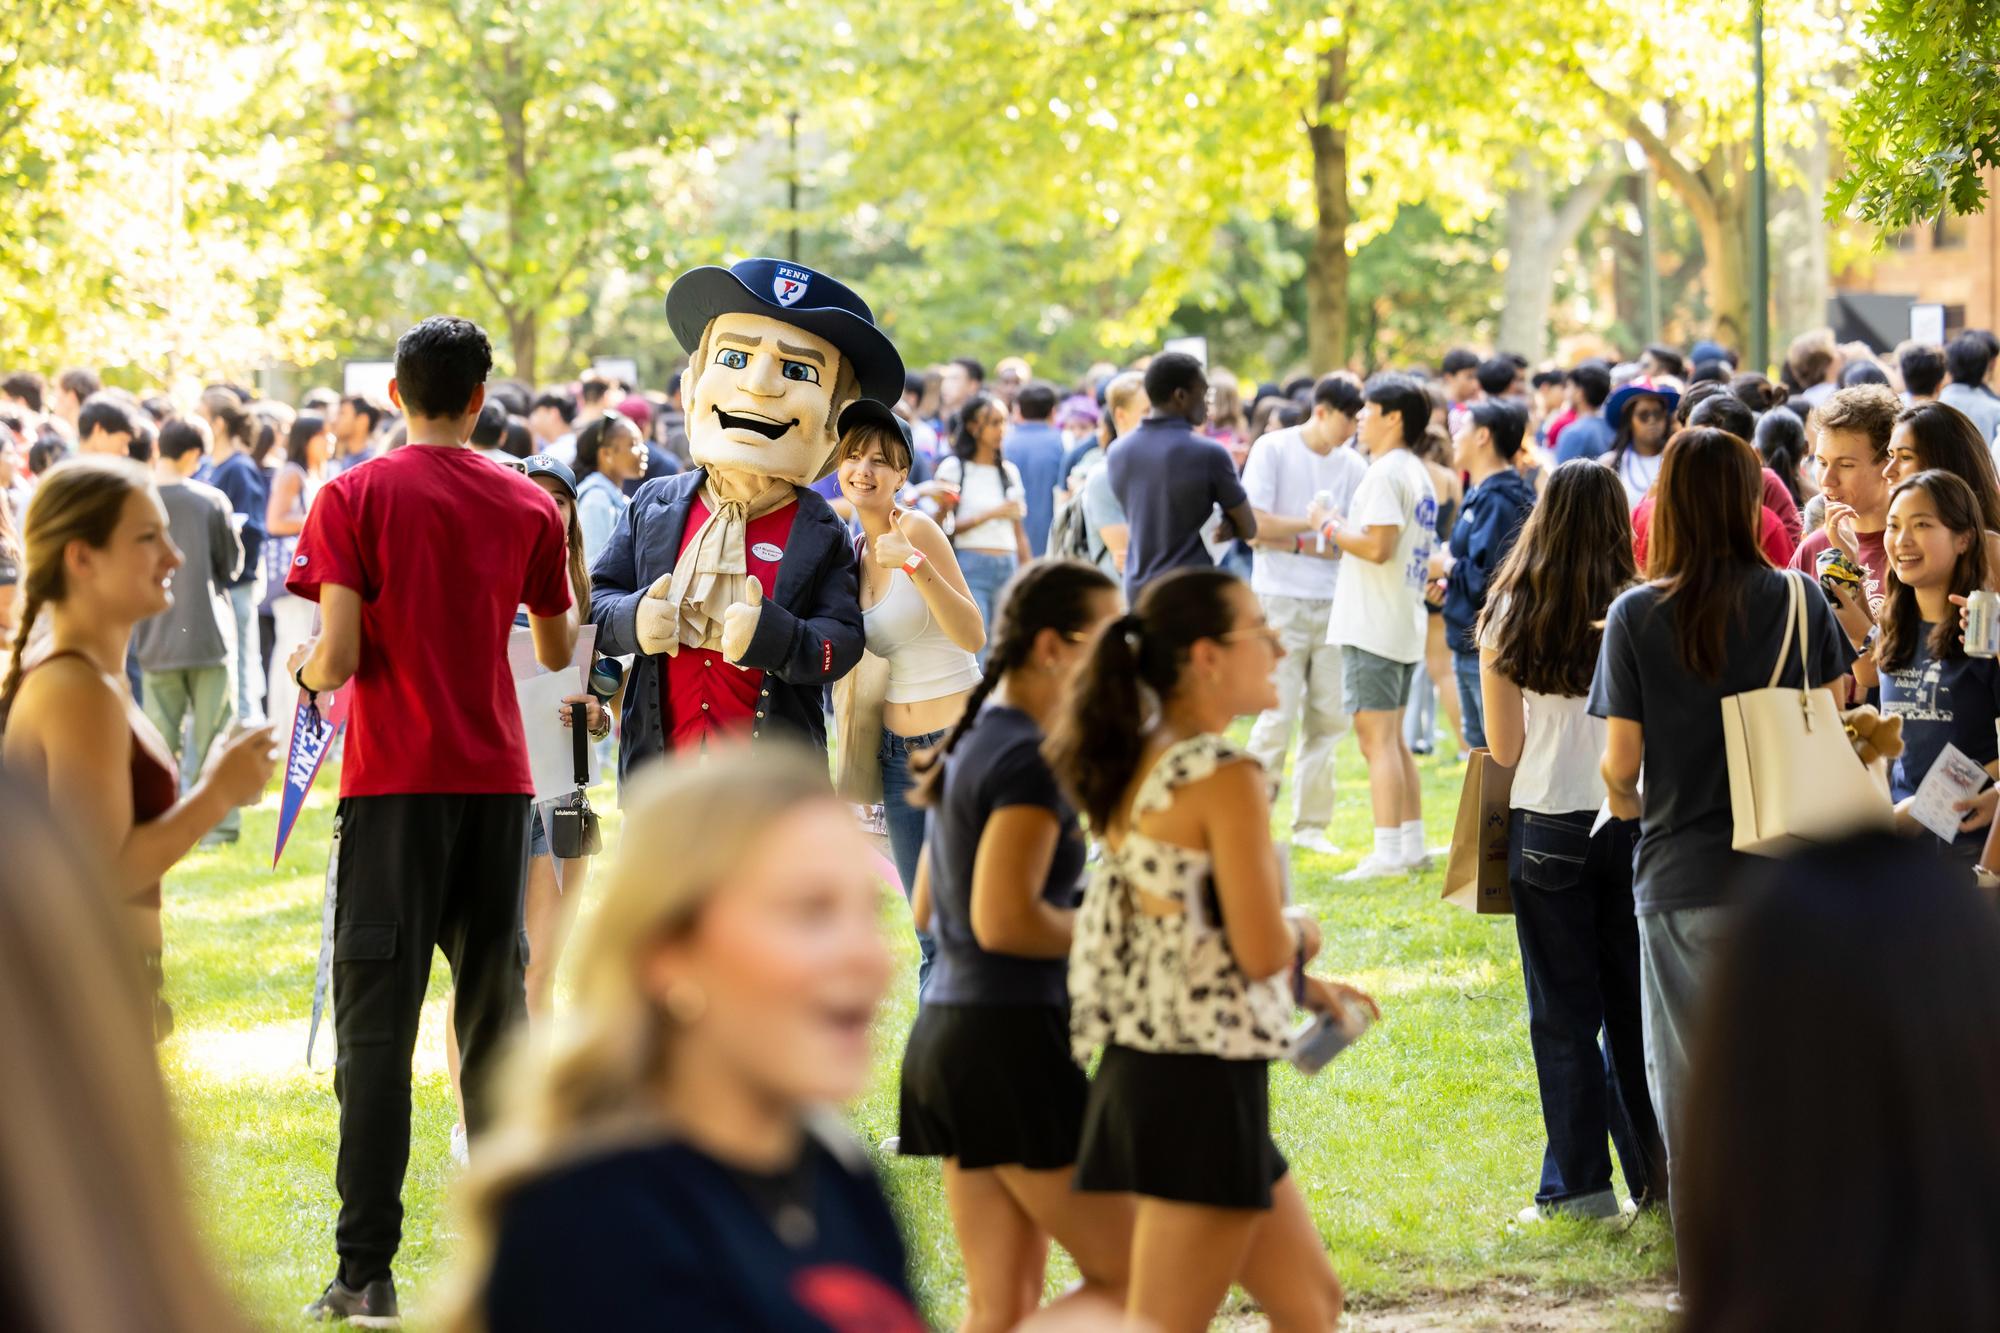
1760 236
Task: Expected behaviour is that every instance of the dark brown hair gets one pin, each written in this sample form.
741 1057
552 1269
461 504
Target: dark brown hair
1047 594
1096 747
1870 409
1958 510
1703 542
1945 438
894 447
1573 558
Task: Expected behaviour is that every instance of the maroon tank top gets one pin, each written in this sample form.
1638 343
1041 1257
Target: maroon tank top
156 785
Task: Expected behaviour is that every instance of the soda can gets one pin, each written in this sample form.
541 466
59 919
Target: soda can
1982 624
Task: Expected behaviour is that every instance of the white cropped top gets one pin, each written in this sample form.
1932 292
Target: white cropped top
923 662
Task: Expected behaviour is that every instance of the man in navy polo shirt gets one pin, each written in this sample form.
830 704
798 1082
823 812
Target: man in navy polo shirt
734 582
1171 480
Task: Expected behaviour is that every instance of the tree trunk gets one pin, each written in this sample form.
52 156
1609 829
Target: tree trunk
523 329
1537 237
1726 268
1326 267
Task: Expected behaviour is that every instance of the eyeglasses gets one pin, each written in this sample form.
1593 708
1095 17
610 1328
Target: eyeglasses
1268 633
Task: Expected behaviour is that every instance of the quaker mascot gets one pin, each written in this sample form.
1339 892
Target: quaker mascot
733 582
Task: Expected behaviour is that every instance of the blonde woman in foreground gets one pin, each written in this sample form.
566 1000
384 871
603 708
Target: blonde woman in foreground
674 1165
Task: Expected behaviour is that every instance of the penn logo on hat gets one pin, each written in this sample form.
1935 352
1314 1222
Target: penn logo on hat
789 285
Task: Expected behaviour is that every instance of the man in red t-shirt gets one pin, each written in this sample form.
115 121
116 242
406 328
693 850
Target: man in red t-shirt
418 562
1854 428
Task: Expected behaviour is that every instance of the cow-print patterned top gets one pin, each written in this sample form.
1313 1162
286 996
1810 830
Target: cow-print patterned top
1167 983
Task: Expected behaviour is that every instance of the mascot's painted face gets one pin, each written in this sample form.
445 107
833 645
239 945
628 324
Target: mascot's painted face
760 398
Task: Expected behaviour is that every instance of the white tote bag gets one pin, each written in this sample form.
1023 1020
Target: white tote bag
1794 778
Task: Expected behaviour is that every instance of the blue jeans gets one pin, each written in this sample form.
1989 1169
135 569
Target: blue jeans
1580 960
906 826
248 659
986 574
1471 706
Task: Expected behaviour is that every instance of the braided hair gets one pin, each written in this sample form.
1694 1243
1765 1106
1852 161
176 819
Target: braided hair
1047 594
79 500
1095 749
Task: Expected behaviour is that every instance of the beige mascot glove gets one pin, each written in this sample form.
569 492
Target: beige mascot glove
739 623
659 620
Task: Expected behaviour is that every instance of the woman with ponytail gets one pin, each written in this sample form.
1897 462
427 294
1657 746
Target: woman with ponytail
1187 963
987 1081
99 558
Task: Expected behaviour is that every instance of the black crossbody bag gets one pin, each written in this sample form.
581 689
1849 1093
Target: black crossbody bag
573 832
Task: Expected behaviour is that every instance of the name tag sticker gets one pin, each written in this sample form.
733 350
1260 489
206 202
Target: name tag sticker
766 551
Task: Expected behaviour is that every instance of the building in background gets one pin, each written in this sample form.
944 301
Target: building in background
1953 262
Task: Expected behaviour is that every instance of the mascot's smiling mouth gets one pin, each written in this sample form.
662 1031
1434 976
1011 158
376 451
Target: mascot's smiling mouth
764 426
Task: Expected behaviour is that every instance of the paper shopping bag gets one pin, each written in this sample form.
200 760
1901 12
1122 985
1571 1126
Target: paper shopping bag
1476 876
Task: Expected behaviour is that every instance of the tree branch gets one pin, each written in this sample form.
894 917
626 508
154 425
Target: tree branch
487 277
1584 199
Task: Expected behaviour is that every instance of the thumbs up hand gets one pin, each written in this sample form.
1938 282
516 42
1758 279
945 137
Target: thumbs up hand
658 627
739 622
893 547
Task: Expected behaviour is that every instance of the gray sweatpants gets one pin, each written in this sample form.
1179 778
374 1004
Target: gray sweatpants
1677 952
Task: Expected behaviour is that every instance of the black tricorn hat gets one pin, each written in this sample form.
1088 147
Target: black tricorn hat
797 295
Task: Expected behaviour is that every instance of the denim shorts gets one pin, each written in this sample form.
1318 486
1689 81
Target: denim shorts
1372 684
538 837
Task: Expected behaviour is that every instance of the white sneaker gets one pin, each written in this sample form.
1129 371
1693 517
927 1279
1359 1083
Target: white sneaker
459 1152
891 1145
1373 866
1313 840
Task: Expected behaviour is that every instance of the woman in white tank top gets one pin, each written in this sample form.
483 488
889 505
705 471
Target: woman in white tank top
918 613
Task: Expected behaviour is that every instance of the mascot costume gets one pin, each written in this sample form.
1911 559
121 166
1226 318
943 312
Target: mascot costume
733 582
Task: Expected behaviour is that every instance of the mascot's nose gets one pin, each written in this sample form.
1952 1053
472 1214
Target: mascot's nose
763 379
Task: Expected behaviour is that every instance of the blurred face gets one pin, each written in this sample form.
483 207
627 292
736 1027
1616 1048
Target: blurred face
1195 400
1922 550
1902 463
763 402
1649 424
117 444
955 386
622 456
346 421
318 449
564 505
1246 658
868 480
1379 431
990 426
12 461
790 957
129 577
1472 446
546 423
1850 472
1462 385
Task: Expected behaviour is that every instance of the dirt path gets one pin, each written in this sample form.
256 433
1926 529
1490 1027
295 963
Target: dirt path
1499 1307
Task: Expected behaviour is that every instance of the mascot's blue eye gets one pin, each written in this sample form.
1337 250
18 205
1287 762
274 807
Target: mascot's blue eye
799 370
732 358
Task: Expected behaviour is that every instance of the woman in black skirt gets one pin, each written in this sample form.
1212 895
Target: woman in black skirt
1187 964
987 1080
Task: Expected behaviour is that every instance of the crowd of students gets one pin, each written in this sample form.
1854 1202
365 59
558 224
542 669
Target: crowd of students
1575 566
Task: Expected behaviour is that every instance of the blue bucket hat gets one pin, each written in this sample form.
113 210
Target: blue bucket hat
1666 390
780 289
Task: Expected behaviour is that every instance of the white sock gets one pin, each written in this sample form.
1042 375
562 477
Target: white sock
1389 845
1413 840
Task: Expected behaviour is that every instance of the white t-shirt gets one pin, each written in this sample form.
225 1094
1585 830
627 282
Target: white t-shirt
1281 476
982 488
1560 748
1380 608
1639 471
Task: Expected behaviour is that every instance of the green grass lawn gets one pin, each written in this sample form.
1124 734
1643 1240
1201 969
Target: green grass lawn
1415 1149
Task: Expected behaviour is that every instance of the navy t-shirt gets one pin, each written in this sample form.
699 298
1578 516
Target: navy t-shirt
997 763
664 1236
1942 701
1169 480
1685 855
